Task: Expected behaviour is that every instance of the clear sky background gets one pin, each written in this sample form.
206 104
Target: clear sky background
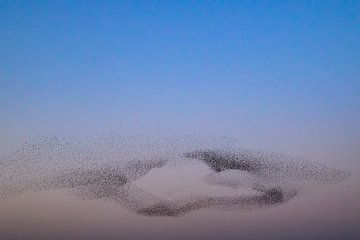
279 75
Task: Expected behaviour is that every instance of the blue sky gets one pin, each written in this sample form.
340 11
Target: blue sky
280 69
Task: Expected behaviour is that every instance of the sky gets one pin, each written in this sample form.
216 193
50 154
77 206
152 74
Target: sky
279 75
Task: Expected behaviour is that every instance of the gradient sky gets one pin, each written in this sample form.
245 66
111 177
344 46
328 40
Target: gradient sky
265 71
280 76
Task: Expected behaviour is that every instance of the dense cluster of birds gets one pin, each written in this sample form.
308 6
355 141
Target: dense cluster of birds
107 166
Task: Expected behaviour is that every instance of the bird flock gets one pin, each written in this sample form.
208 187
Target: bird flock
108 167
